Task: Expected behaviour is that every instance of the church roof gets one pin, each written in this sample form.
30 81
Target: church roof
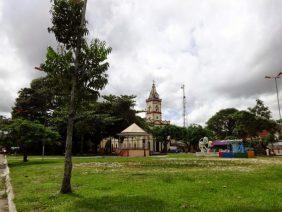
154 94
134 129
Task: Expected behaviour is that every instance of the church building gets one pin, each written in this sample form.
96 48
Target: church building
154 108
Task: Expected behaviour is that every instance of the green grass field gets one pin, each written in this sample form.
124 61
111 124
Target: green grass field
177 182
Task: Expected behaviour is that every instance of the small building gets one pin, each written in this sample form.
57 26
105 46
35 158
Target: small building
134 141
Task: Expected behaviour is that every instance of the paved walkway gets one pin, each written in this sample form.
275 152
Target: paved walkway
3 195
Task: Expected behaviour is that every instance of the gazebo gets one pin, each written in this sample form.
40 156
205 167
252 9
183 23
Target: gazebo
134 141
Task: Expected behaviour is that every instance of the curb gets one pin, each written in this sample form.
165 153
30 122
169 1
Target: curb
9 189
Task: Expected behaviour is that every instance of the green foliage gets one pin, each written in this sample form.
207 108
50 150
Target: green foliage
246 124
222 123
59 68
269 125
194 133
3 132
66 22
34 103
163 133
3 121
231 123
90 75
78 63
106 118
23 133
189 136
269 139
260 110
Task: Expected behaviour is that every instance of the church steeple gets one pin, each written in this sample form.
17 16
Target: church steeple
154 106
154 94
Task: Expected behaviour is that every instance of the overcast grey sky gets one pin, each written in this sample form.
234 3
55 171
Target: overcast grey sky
220 49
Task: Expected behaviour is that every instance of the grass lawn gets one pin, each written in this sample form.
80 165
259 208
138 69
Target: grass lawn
176 182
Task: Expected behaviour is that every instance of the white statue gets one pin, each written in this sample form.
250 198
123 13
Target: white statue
203 144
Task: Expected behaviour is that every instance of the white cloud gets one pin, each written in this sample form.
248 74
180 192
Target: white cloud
220 49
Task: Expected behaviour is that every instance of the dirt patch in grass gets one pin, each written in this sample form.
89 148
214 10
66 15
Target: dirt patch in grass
99 164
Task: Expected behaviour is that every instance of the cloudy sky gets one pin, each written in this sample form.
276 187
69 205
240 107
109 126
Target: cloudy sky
220 49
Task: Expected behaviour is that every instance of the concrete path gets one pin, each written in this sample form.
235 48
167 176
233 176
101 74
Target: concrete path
3 194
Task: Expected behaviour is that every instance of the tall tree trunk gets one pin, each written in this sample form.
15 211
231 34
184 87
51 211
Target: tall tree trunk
66 184
189 147
165 143
25 156
81 144
24 150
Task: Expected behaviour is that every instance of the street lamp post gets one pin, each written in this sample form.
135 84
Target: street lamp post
277 94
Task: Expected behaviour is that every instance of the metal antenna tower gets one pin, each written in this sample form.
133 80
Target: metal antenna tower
184 105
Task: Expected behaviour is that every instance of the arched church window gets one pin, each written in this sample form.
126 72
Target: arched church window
149 109
157 108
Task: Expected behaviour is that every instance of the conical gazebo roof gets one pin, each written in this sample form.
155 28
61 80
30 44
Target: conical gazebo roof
133 129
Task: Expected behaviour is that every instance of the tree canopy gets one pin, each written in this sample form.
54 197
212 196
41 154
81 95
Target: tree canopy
242 124
223 123
34 103
189 136
24 133
260 110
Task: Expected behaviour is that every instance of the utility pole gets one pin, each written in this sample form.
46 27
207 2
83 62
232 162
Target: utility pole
184 105
277 94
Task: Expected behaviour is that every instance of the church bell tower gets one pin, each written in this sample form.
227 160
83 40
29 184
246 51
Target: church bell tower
154 107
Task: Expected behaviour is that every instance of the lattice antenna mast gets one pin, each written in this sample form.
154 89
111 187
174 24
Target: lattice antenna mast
184 105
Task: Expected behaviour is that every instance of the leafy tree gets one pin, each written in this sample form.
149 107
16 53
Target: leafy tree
78 71
34 103
260 110
269 125
269 139
25 133
160 135
231 123
193 134
104 119
120 107
223 123
163 134
3 132
246 124
3 121
190 136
